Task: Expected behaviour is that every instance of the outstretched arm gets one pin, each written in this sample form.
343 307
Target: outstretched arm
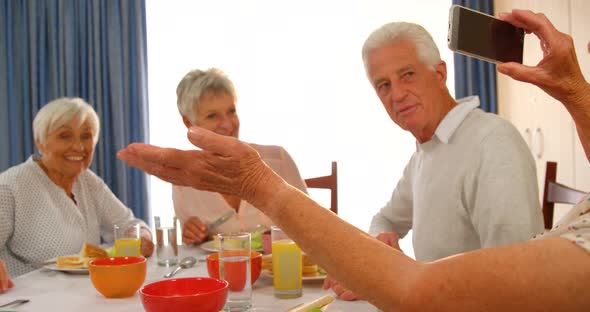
542 275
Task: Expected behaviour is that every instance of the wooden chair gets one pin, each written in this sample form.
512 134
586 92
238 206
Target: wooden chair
556 193
327 182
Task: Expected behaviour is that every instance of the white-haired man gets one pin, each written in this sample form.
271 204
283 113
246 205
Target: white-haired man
471 183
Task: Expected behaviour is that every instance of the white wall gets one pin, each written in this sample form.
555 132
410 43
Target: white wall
300 81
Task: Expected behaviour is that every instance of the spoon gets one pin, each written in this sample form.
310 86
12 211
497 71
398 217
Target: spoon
185 263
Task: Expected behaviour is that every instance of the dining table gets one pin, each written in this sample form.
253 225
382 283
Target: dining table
48 289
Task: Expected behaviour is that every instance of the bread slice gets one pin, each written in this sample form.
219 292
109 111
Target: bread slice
267 262
310 270
93 251
88 253
71 262
309 267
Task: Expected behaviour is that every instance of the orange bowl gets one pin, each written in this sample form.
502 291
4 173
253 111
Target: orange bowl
185 294
255 268
117 277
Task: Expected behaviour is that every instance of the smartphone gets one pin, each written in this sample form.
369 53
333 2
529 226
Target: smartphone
482 36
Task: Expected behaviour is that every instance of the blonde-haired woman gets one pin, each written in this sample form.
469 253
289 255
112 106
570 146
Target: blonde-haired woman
207 98
51 204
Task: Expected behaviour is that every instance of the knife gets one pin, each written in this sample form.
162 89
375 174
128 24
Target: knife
222 219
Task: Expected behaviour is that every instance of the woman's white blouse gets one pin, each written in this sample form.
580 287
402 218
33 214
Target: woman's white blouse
208 206
38 221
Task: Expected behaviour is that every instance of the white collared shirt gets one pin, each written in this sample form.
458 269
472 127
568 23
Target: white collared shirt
473 185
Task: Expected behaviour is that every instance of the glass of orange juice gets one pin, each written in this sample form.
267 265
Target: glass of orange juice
286 265
127 240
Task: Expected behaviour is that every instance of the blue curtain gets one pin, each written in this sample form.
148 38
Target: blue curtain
473 76
93 49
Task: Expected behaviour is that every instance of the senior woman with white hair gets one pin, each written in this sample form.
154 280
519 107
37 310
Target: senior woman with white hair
208 99
51 204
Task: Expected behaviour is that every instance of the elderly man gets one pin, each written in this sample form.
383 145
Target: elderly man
471 182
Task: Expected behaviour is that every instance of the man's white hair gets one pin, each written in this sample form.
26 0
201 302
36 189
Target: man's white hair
392 33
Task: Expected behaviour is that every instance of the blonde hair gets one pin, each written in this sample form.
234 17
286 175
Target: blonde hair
197 83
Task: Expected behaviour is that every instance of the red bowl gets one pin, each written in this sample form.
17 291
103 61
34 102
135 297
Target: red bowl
117 277
255 268
185 294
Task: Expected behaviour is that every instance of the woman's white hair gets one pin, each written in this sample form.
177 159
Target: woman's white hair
392 33
58 112
198 83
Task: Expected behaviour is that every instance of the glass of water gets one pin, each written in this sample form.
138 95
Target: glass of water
166 240
234 267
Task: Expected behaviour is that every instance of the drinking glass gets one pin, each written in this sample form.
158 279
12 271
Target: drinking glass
234 267
166 240
127 240
286 265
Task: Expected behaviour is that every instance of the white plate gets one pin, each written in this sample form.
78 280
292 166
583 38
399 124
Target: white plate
304 278
210 246
53 267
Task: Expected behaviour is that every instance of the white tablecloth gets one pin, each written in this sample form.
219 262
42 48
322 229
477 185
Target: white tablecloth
56 291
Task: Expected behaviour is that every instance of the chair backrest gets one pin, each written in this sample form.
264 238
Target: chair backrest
327 182
556 193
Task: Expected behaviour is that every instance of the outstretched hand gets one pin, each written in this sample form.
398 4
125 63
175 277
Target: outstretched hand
558 73
225 164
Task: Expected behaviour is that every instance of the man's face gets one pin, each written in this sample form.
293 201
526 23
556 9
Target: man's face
410 91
